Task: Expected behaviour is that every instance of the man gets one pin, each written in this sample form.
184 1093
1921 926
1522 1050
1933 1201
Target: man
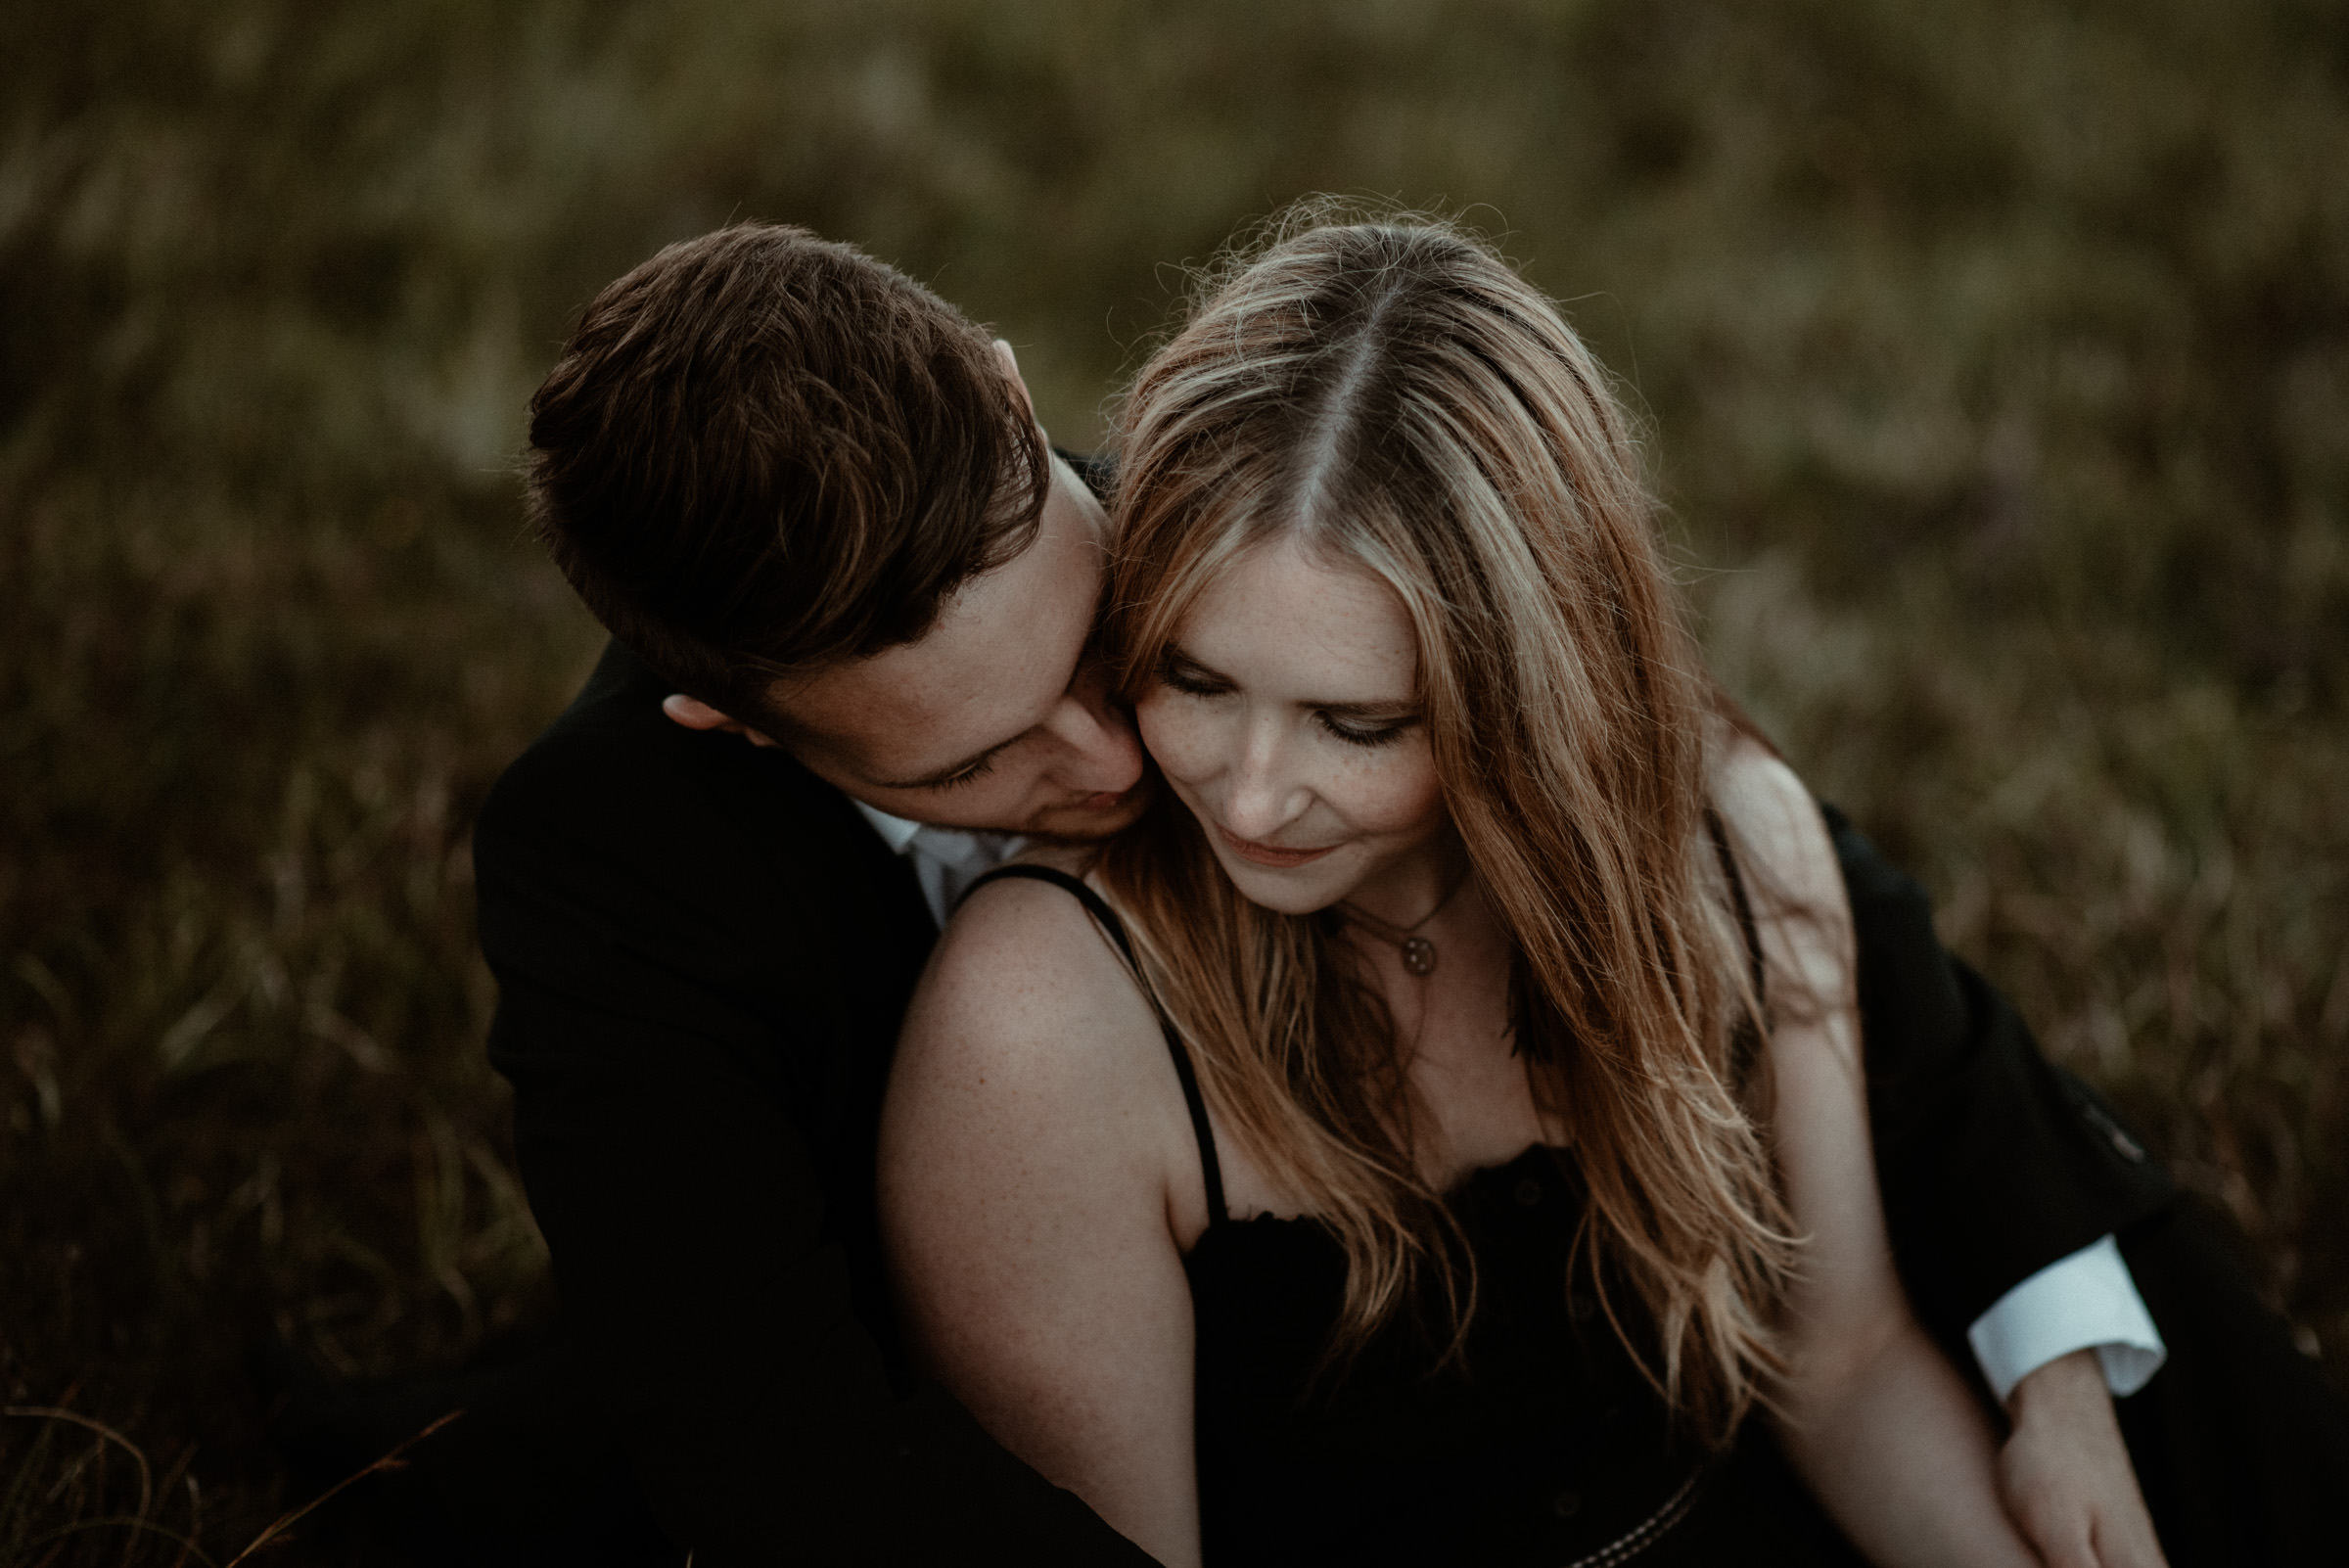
850 590
703 945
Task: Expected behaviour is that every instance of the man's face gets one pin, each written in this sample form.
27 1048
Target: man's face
995 719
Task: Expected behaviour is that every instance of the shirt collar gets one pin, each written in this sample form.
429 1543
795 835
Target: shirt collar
896 831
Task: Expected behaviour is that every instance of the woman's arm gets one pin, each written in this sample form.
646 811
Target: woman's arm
1032 1150
1873 1417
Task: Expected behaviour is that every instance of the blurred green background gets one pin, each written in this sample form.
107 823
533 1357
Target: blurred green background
1995 359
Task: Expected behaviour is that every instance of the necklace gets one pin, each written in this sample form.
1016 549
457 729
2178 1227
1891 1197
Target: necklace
1418 953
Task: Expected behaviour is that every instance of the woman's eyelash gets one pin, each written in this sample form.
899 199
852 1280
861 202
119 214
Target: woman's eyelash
1190 682
1378 735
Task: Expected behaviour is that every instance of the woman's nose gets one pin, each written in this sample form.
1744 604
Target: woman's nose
1260 798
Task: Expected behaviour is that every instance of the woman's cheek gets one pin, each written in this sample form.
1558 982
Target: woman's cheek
1400 792
1178 736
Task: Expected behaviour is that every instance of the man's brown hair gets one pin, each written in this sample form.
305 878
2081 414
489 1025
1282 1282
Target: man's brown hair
764 452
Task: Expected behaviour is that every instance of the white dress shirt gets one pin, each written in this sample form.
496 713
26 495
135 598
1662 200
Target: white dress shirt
945 861
2085 1301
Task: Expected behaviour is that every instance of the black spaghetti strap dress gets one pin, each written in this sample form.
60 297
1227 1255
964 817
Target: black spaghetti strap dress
1540 1443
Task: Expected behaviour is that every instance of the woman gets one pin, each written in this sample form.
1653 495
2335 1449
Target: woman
1484 1142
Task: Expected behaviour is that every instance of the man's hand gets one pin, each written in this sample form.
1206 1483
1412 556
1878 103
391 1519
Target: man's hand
2065 1475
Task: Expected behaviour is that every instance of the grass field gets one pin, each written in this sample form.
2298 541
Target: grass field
1996 363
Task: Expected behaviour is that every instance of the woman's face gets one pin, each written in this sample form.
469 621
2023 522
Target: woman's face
1286 716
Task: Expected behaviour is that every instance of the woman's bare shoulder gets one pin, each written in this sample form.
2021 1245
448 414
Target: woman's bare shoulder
1777 828
1795 884
1014 933
1025 995
1017 933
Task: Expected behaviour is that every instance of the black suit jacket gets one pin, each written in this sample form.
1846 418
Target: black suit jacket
1993 1162
703 956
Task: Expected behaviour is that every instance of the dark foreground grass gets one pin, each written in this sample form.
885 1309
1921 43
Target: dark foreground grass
1998 364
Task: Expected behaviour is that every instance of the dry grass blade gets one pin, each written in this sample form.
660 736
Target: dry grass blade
390 1461
50 1412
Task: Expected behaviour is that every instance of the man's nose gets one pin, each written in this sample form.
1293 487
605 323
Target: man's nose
1104 753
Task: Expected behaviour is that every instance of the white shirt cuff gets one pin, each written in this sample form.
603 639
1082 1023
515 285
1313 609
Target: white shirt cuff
2087 1300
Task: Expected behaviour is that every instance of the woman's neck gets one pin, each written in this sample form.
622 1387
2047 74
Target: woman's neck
1410 888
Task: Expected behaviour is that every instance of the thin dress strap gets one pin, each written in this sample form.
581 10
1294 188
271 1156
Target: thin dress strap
1211 1168
1747 1040
1745 909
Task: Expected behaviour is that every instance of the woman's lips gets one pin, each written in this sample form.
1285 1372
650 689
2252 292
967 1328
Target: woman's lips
1267 854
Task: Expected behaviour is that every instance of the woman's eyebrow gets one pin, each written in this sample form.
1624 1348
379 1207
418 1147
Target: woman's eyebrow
1173 653
1405 707
1389 709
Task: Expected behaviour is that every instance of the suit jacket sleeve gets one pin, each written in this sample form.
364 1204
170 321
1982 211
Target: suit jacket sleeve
1993 1162
682 1203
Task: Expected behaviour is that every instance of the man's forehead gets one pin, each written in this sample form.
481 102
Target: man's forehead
910 710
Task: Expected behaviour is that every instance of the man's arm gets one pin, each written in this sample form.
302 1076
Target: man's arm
2056 1350
2066 1475
2004 1180
656 1022
1994 1165
2084 1303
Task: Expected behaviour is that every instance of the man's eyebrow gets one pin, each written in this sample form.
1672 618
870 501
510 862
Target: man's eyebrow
937 777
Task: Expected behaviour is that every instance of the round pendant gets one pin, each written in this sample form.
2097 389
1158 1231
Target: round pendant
1419 955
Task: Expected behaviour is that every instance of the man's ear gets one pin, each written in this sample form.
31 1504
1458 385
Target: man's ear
1011 368
694 713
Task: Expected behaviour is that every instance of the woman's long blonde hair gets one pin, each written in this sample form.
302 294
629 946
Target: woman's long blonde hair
1393 393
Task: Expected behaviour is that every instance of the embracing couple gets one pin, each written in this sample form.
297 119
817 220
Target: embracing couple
1408 1074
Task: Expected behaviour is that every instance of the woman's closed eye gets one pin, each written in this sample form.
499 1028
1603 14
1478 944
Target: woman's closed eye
1191 677
1364 732
1178 671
